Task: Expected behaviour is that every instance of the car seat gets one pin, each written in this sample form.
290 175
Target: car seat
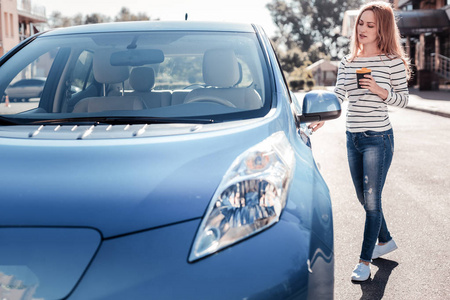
221 72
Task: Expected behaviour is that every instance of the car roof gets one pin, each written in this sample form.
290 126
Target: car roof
153 26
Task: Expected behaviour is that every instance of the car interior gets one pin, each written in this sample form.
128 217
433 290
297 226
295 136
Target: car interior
160 79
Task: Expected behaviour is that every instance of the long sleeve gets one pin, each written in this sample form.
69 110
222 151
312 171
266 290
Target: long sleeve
366 110
340 89
398 95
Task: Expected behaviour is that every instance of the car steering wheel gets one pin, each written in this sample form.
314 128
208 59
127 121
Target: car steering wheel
207 98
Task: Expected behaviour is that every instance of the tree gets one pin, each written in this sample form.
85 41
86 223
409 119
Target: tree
77 19
299 76
126 15
56 20
96 18
312 25
292 59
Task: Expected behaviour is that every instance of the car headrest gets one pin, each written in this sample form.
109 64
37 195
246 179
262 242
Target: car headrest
220 68
142 79
104 72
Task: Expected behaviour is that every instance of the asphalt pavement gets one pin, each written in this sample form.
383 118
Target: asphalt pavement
415 204
435 102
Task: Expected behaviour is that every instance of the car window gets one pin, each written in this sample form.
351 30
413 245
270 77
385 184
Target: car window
216 75
179 72
26 84
82 76
182 72
246 76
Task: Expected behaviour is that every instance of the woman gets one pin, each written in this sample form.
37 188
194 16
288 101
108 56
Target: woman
370 142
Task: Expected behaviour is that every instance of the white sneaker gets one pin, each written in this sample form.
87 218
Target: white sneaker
361 272
381 250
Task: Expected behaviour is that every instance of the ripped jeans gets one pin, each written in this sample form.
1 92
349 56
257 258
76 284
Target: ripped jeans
369 156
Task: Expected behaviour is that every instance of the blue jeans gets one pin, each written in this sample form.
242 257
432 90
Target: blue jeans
369 156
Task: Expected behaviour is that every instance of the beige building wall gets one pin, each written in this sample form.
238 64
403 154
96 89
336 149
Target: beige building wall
18 20
9 25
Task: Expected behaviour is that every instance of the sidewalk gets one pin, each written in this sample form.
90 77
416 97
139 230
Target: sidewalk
434 102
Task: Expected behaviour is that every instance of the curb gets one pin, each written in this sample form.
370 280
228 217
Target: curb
430 110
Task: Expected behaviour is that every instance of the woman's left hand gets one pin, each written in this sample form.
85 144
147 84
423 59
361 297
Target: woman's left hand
368 82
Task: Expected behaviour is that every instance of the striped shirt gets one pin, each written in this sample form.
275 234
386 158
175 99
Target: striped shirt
366 110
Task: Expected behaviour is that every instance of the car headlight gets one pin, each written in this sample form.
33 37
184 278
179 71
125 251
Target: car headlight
250 197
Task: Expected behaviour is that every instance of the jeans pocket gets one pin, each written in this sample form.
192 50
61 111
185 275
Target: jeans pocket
369 134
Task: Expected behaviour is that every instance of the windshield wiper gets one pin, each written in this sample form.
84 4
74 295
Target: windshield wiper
155 120
118 121
9 121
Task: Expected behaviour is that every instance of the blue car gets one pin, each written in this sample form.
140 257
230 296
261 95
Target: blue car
163 160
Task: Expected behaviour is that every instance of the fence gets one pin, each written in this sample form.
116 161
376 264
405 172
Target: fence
441 65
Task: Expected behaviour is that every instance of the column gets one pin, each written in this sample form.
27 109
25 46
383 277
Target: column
421 65
437 47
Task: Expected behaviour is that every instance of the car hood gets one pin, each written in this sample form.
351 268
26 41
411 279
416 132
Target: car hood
116 186
44 263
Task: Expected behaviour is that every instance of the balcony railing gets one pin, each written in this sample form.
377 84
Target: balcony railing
31 8
440 65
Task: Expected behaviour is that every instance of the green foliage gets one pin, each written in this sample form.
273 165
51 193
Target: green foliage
308 30
292 59
297 84
312 24
56 19
125 15
310 83
95 18
299 76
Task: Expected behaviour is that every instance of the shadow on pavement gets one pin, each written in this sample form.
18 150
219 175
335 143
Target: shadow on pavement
373 288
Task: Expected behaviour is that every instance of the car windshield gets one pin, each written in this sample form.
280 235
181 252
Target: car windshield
197 76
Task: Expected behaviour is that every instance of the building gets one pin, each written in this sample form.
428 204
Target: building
425 29
19 19
324 72
425 25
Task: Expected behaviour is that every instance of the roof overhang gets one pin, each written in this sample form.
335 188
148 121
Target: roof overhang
415 22
25 16
324 65
411 22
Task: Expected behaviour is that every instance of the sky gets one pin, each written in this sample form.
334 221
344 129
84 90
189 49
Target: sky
248 11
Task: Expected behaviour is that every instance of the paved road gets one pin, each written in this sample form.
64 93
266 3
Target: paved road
17 107
416 205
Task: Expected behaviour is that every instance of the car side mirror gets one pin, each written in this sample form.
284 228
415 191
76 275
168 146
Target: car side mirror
317 106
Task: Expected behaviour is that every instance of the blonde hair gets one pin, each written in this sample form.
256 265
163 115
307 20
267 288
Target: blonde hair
388 35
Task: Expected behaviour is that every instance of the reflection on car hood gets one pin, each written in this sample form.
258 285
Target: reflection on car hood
117 186
45 263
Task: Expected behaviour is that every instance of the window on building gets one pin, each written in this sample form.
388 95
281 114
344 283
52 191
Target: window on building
6 24
11 23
